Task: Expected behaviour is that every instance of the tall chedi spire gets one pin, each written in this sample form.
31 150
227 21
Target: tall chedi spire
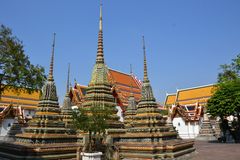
99 91
100 57
47 129
147 93
67 100
145 77
49 89
67 106
50 75
147 135
148 113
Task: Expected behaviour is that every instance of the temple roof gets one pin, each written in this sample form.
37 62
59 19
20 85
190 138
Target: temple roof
12 111
188 103
192 95
122 86
170 99
22 98
198 94
6 111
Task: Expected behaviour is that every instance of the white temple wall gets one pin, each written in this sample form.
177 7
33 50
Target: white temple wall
186 130
29 113
5 126
119 113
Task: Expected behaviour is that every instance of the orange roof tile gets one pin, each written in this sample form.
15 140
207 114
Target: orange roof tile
26 100
122 85
190 102
170 99
123 78
197 94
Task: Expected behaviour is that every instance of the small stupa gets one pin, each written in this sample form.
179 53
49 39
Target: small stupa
66 110
131 108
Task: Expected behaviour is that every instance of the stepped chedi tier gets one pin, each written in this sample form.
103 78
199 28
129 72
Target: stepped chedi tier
99 90
150 137
46 136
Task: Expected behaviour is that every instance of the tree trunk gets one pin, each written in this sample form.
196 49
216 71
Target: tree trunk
90 141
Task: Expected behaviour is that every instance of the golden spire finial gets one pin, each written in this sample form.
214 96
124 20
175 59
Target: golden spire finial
145 77
100 58
50 76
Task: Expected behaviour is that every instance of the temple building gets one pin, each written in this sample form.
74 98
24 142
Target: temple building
7 118
16 107
121 88
27 102
145 135
186 108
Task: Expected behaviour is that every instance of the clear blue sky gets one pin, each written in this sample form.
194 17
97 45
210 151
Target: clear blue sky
186 40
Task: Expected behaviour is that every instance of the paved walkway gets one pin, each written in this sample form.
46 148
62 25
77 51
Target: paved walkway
216 151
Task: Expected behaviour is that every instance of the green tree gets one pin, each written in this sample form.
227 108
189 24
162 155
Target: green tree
230 71
16 71
226 99
92 120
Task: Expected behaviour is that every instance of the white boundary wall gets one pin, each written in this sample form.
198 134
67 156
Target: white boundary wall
186 130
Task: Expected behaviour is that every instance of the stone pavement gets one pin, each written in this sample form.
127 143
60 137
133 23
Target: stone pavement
216 151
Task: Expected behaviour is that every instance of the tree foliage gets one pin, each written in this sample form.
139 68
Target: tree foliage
226 98
16 71
92 120
230 71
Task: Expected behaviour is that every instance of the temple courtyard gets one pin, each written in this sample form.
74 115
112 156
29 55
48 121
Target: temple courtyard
216 151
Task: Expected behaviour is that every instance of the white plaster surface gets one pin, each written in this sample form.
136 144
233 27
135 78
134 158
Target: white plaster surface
91 156
186 130
5 126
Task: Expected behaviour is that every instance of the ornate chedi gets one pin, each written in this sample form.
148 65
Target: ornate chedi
131 109
66 109
46 136
150 137
99 92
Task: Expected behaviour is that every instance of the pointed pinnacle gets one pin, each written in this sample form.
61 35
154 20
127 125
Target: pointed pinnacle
68 79
145 77
100 20
50 76
100 57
